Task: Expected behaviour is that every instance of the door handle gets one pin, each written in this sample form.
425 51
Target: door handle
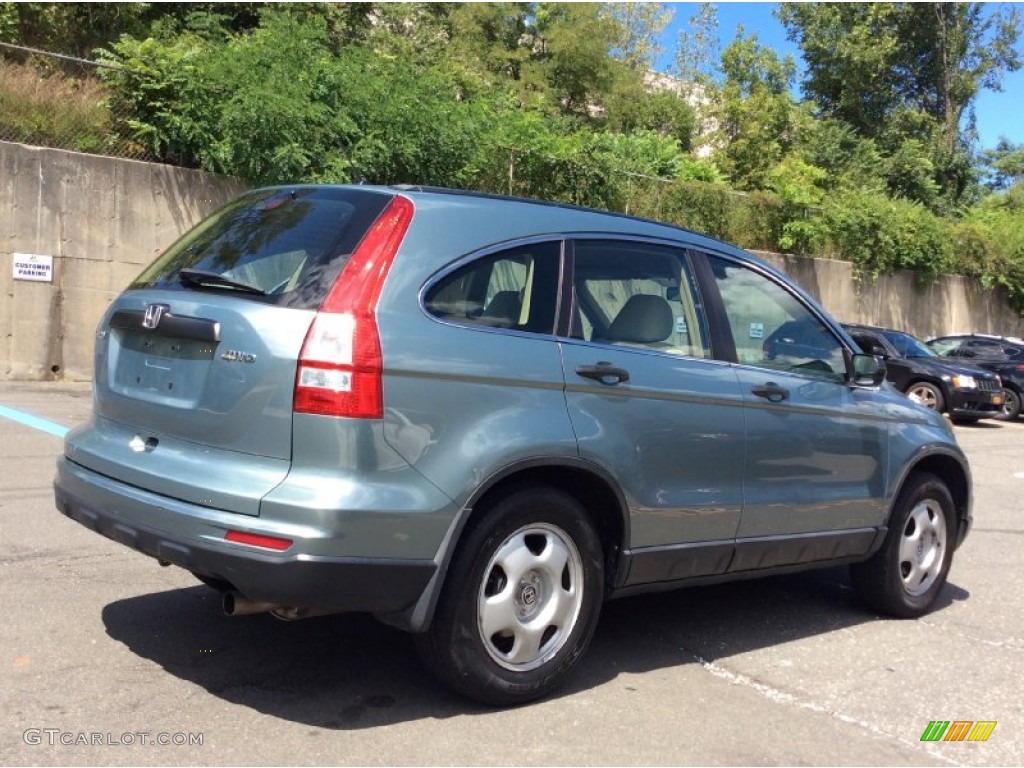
604 372
771 392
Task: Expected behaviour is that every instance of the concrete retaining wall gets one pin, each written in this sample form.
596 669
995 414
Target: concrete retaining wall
904 300
103 220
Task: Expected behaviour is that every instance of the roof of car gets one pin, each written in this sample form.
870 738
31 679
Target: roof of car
863 327
419 188
989 336
414 190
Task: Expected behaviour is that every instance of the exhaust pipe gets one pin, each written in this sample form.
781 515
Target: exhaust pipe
237 604
291 613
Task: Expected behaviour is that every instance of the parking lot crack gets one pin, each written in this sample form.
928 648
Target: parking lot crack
789 699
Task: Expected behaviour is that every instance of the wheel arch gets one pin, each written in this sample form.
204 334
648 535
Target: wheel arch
588 483
952 470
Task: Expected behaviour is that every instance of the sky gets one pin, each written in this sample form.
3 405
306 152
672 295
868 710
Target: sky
998 114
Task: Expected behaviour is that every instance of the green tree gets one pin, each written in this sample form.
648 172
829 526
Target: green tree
907 72
73 29
755 110
415 32
572 53
1005 164
163 100
277 104
950 52
489 37
697 57
631 106
853 161
849 50
638 27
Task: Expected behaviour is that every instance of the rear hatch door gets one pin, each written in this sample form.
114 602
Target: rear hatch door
195 362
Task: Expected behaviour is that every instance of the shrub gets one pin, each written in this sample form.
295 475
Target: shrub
880 234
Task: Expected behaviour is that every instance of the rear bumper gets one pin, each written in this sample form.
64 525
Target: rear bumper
293 578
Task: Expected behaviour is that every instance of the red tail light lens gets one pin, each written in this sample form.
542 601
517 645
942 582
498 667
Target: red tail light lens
257 540
340 366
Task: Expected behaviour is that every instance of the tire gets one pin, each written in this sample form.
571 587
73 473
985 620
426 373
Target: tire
520 601
962 421
927 395
905 576
1011 406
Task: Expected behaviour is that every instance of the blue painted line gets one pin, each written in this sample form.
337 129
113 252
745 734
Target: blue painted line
35 422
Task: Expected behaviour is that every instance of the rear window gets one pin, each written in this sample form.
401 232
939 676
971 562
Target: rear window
283 246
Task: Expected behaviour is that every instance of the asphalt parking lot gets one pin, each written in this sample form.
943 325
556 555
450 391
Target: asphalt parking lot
103 654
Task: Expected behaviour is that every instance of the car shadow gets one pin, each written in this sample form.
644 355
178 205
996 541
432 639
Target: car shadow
352 672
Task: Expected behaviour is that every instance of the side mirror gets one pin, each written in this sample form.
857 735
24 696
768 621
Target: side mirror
868 370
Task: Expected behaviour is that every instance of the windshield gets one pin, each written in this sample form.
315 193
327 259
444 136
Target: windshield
907 345
284 245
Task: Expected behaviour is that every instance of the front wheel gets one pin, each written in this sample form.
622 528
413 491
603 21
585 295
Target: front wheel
520 601
927 395
1011 406
905 576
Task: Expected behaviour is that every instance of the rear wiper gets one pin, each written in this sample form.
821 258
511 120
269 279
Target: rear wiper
213 280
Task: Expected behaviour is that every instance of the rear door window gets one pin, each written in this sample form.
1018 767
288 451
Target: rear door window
985 349
515 289
947 347
637 294
280 246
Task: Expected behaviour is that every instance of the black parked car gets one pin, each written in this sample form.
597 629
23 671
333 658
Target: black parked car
965 392
1002 354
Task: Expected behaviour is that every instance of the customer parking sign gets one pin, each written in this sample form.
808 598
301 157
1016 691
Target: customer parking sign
33 266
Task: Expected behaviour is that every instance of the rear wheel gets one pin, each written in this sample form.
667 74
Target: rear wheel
520 601
927 395
905 576
1011 406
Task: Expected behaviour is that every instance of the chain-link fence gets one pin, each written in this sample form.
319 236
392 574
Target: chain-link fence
52 100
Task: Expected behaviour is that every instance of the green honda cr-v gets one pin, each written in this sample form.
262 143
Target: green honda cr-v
479 417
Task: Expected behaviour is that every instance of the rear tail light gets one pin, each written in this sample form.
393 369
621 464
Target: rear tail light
340 366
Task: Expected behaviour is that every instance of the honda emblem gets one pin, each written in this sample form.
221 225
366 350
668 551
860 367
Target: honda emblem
153 314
